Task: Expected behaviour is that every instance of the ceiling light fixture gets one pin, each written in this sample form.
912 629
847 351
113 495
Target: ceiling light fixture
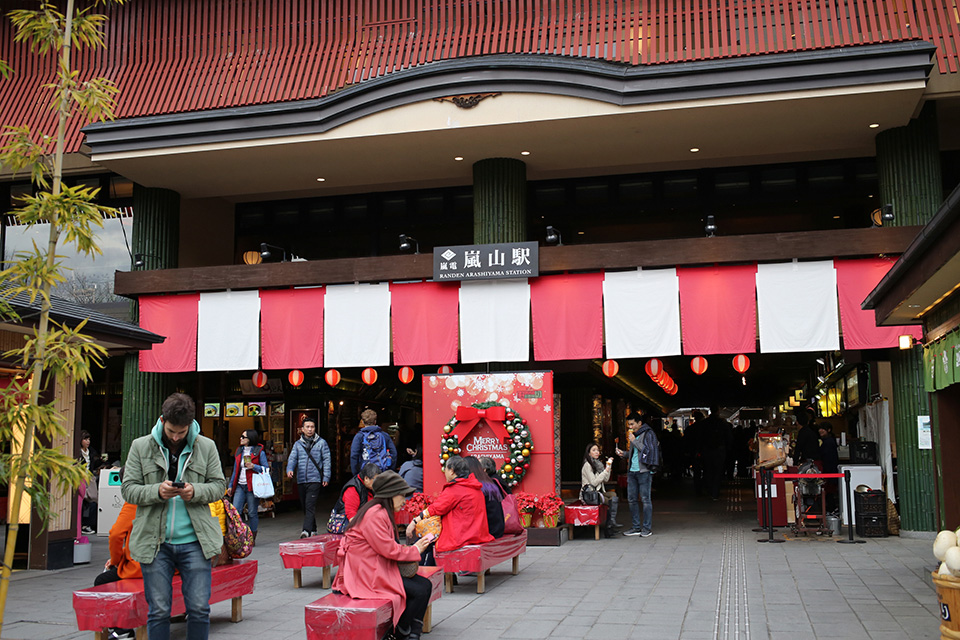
874 125
711 227
524 153
409 242
321 179
458 158
553 236
694 149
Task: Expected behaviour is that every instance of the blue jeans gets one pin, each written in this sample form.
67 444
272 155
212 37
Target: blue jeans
158 590
638 490
244 495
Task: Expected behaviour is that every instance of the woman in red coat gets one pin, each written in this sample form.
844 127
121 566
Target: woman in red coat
461 507
369 553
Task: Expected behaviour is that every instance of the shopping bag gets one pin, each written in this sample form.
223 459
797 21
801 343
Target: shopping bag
263 484
511 516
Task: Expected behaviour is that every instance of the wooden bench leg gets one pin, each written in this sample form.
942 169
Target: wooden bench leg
140 633
326 577
448 582
236 609
516 564
98 635
428 619
481 581
596 532
297 579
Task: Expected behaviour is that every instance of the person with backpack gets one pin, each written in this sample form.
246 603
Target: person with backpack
357 491
644 459
249 459
310 461
372 444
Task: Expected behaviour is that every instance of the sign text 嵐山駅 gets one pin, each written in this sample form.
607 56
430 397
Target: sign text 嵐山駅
486 261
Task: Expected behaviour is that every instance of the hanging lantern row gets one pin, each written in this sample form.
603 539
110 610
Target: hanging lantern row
610 368
741 363
369 376
406 375
654 369
699 365
445 369
259 379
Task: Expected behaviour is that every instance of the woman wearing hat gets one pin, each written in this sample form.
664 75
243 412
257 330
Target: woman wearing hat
370 551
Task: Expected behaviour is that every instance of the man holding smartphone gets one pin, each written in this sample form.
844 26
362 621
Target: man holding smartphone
172 474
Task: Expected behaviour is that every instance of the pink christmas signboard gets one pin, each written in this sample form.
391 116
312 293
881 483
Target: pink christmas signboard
505 416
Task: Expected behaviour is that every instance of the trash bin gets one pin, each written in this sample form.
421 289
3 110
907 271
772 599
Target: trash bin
81 552
948 593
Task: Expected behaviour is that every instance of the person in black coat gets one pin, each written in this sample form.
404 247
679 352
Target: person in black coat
831 461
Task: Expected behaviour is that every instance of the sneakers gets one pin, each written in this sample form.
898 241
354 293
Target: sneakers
121 634
304 534
632 532
646 534
87 531
617 526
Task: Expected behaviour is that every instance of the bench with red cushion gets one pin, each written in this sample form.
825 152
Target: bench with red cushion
315 551
339 616
585 515
478 558
122 603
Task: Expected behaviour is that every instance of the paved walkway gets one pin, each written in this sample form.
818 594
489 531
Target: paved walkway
701 575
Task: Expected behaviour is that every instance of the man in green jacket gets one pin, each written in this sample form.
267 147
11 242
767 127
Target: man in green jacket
172 474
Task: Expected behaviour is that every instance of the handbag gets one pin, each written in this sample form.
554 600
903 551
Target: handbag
512 524
263 484
337 523
428 525
589 495
408 569
239 538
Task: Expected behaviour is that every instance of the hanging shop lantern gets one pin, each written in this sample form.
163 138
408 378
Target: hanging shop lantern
259 379
445 369
406 375
699 365
369 375
610 368
332 376
741 363
654 367
295 377
673 390
665 380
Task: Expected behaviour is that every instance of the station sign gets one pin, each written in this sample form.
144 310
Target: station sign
486 261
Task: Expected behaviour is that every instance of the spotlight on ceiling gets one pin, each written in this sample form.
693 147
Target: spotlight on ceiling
711 227
553 236
266 253
409 242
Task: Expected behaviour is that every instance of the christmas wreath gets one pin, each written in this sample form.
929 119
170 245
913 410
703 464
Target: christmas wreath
516 435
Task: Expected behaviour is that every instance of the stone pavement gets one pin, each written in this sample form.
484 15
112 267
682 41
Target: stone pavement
701 575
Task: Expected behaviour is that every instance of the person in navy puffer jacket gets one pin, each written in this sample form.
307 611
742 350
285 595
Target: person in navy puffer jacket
310 460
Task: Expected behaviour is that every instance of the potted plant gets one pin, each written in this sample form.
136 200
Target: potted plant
417 502
549 506
526 506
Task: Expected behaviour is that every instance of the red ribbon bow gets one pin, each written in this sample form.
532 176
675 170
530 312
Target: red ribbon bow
468 417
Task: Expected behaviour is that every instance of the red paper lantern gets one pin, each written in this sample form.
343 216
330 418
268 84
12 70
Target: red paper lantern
259 379
332 376
664 380
445 369
295 377
741 363
406 375
653 367
369 375
610 368
672 390
699 365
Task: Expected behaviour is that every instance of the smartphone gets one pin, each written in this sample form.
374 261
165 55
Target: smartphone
247 459
179 485
430 537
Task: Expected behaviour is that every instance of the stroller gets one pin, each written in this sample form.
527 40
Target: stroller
809 503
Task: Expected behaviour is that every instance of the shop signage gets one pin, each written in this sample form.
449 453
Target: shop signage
486 261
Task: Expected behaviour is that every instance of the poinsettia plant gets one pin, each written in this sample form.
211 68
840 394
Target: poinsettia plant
418 502
525 501
549 504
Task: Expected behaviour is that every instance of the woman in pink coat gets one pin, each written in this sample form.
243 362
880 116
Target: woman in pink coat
369 553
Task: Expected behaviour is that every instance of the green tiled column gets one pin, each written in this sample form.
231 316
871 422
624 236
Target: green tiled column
499 201
156 232
908 164
500 212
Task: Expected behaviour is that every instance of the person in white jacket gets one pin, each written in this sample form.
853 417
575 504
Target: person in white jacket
595 473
